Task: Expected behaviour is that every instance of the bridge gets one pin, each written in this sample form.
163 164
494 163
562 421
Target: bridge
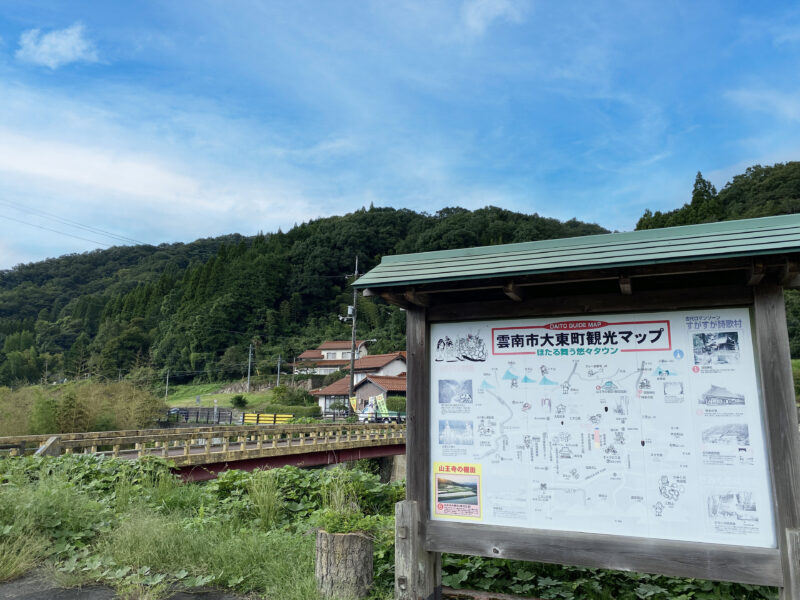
199 453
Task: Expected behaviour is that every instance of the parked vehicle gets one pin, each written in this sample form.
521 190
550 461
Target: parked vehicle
369 414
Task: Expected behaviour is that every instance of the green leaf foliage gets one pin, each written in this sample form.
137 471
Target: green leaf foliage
758 192
133 525
195 308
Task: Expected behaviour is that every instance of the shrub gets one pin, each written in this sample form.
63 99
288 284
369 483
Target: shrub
396 403
76 407
302 421
44 415
297 411
332 377
291 396
239 401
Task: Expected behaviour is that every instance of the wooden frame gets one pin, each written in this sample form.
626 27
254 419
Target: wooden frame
768 566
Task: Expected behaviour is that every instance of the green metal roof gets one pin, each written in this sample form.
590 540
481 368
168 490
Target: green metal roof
726 239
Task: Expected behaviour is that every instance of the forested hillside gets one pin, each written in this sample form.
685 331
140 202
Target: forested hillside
134 312
758 192
194 308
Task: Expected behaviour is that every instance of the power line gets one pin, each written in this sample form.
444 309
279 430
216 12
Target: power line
71 223
77 237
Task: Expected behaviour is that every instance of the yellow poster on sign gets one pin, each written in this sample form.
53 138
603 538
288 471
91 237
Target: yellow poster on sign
354 403
457 491
380 401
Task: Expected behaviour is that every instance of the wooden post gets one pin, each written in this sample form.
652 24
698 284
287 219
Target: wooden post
425 579
777 387
413 565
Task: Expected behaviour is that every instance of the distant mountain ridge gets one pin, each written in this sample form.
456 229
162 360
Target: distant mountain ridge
193 309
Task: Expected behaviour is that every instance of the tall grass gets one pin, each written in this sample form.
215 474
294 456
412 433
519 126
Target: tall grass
277 564
265 498
20 553
339 494
76 407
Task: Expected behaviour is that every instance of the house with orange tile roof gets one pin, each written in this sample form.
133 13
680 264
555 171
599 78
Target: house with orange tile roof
392 364
328 357
369 387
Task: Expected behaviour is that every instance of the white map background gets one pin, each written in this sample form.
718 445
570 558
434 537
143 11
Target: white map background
664 444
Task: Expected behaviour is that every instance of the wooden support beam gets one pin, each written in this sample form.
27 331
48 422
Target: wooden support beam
653 300
625 553
756 273
513 291
788 273
777 391
625 285
417 298
396 299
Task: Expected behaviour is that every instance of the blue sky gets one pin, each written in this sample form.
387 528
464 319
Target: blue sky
169 121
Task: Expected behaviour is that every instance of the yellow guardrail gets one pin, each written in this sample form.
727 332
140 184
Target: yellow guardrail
265 419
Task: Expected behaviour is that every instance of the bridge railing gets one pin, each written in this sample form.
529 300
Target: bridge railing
214 444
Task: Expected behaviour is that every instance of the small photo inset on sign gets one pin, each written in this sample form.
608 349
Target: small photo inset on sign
452 431
719 348
453 391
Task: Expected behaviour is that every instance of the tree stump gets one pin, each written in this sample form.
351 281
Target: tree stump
344 565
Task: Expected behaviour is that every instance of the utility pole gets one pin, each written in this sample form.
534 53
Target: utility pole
166 387
279 370
249 361
353 341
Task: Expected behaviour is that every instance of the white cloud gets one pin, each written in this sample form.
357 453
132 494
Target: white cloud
773 102
478 15
100 168
56 48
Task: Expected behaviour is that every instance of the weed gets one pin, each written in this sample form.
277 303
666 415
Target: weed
276 563
67 579
139 591
339 494
265 498
19 554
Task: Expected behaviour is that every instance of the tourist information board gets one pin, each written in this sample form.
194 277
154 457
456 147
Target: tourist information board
647 425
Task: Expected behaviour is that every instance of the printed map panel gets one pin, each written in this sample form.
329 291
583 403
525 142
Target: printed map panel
646 425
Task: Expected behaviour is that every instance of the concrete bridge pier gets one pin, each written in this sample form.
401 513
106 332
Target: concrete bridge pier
392 468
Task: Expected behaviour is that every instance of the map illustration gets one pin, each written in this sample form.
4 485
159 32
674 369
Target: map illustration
620 435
